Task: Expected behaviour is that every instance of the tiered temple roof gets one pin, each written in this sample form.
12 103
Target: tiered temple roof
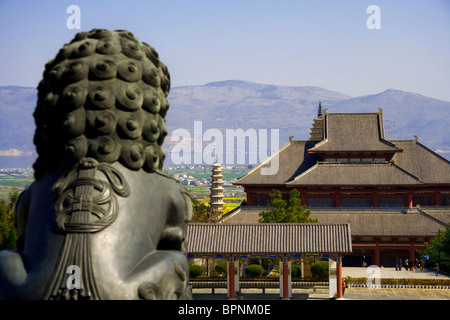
395 162
353 132
367 223
354 160
345 174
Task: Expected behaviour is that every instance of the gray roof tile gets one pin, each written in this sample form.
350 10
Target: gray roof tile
355 174
353 132
269 238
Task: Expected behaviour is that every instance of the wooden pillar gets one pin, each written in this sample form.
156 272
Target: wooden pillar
375 199
250 201
303 196
237 287
285 279
437 199
332 278
302 264
337 200
339 278
230 278
409 199
412 251
376 253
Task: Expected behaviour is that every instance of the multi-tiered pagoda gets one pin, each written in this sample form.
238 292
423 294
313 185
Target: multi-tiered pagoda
216 202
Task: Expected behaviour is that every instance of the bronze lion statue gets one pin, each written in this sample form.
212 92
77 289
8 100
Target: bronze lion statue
102 220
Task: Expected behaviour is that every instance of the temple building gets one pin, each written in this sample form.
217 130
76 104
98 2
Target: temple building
216 198
394 193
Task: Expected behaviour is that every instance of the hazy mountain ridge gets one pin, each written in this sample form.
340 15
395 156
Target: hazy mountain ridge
16 117
406 114
236 104
241 104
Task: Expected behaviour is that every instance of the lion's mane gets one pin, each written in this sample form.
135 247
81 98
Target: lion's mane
104 96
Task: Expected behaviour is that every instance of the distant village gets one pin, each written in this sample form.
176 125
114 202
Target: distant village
17 171
188 180
184 178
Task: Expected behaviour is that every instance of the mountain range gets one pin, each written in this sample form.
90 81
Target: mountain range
246 105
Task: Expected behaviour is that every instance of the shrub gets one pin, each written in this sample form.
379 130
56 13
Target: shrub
320 268
407 281
195 271
254 270
296 271
445 266
221 267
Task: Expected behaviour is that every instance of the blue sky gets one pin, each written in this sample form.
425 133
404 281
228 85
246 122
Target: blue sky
284 42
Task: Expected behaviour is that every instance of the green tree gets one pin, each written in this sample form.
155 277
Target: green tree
254 270
268 264
284 211
320 268
195 271
10 242
8 233
438 248
4 222
296 271
445 244
221 267
202 213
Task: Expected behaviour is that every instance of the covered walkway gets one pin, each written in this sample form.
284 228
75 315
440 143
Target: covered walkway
283 241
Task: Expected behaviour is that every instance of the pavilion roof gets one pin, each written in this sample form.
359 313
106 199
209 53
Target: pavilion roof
269 238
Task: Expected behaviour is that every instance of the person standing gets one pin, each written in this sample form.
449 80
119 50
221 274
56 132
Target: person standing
436 269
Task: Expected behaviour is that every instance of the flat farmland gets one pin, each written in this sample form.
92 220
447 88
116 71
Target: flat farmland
16 181
197 173
8 182
233 195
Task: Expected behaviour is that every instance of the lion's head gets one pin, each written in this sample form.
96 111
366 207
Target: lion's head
104 96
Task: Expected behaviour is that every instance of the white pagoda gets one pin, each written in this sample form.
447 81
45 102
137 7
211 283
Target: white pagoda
216 198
